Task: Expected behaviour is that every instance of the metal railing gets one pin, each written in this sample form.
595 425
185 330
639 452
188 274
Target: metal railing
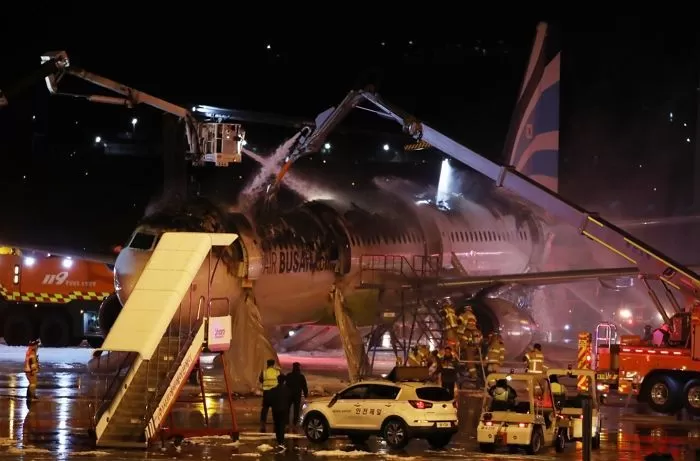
113 387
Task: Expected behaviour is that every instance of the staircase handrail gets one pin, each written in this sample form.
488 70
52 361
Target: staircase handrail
152 403
112 389
402 259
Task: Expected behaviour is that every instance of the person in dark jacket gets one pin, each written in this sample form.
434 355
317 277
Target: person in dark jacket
279 401
296 382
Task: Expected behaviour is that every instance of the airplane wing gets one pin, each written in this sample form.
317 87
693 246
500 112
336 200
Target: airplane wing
106 257
538 278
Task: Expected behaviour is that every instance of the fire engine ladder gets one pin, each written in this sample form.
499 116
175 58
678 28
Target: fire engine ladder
649 262
158 362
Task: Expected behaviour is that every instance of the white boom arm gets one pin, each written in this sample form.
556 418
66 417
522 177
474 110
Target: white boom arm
214 142
650 262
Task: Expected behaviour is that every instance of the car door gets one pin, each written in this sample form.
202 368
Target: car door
380 402
346 411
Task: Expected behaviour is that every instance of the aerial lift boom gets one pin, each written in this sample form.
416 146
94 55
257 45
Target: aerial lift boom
50 66
211 141
650 262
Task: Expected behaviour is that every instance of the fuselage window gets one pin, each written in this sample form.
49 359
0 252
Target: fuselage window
405 238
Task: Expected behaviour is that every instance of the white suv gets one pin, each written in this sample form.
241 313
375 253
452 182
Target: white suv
397 412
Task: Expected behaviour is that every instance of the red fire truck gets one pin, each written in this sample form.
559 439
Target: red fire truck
53 298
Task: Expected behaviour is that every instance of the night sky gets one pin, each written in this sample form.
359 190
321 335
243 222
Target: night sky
621 81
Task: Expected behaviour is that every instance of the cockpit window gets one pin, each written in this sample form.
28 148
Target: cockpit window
142 241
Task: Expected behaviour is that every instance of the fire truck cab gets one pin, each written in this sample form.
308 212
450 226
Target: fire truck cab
53 298
666 377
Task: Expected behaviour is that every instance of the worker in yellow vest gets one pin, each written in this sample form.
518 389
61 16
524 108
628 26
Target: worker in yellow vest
414 359
495 355
268 379
424 355
468 318
31 369
534 360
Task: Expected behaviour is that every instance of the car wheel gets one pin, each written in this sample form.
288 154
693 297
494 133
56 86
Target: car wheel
439 441
395 433
560 441
359 439
536 441
316 428
487 447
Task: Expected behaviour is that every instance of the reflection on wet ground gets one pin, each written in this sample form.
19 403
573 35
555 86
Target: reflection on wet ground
57 426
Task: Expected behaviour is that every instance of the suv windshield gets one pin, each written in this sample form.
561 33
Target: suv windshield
436 394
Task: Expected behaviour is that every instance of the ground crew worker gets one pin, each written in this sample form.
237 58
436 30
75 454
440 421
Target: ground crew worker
296 383
424 355
558 391
279 401
448 372
534 359
495 354
268 379
647 335
503 395
31 369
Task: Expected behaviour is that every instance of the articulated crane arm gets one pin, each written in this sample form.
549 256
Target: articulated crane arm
215 142
48 67
650 262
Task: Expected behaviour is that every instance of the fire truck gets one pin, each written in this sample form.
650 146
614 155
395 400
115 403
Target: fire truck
667 377
53 298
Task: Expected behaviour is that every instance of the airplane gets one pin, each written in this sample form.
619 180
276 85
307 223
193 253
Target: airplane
281 269
289 268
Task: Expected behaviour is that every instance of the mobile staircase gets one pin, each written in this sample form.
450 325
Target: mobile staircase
159 339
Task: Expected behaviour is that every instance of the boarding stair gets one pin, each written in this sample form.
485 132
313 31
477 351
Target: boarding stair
159 339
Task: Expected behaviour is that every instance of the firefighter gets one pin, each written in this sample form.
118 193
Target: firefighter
534 360
661 335
31 369
503 395
451 321
558 391
414 359
647 335
495 354
424 355
468 318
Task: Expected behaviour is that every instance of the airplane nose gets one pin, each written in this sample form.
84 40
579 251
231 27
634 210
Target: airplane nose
127 269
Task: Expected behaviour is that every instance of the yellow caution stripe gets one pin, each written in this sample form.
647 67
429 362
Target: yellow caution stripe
420 145
56 298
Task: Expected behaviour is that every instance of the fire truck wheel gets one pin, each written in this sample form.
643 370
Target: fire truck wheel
54 331
19 330
662 394
692 396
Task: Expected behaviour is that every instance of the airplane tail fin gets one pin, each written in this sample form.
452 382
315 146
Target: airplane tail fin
532 145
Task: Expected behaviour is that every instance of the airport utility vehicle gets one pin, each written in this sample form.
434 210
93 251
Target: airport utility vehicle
569 403
527 420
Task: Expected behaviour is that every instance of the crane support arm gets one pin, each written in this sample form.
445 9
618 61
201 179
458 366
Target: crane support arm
51 66
649 261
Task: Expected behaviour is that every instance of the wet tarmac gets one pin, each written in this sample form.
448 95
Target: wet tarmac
57 426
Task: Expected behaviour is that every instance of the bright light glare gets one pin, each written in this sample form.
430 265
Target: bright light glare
566 327
292 333
98 139
134 121
327 146
625 313
386 340
29 261
67 263
245 143
385 147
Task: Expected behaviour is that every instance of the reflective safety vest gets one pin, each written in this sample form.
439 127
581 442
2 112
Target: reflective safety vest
31 361
450 318
270 378
535 361
558 388
500 394
496 353
414 360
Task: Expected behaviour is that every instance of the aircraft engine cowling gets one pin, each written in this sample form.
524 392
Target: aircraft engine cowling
108 312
